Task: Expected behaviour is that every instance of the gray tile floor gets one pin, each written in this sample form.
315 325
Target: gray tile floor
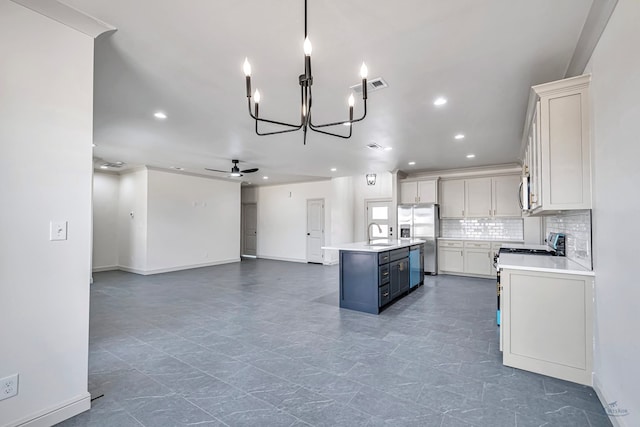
263 343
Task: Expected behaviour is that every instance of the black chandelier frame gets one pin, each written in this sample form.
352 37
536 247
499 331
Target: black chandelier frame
306 81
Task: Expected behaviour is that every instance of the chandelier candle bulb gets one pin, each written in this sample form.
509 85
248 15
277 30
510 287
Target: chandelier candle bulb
364 71
352 102
247 72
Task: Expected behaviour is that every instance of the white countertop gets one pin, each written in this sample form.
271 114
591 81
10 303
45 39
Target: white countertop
462 239
378 245
550 264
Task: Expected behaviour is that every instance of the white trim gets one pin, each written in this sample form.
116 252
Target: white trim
53 416
273 258
105 268
597 386
177 268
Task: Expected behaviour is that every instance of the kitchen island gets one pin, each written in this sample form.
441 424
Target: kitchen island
373 274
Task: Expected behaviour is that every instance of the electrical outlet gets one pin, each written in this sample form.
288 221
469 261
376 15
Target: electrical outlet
8 386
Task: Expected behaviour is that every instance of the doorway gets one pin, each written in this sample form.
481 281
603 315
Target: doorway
249 229
379 212
315 230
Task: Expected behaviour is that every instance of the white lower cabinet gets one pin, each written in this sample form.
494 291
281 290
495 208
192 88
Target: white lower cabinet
478 261
547 323
467 257
450 256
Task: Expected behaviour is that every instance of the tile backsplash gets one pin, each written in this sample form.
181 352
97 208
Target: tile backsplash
483 228
577 227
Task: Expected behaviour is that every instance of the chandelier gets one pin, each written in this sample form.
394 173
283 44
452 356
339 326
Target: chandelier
306 100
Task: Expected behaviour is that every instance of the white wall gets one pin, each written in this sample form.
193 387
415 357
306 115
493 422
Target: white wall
342 220
46 113
282 219
106 192
615 96
132 221
361 193
192 221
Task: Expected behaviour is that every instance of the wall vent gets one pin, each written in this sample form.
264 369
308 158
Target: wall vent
372 85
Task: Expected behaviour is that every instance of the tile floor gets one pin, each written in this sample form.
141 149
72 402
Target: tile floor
263 343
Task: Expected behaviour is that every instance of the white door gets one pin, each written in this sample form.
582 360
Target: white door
249 229
379 212
315 230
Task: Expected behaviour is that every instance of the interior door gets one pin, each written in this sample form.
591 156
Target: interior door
379 212
315 230
249 229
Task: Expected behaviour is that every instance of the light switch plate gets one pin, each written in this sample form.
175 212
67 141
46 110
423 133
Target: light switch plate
58 230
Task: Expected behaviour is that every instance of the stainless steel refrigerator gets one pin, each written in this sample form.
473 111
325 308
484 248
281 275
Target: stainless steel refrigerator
421 221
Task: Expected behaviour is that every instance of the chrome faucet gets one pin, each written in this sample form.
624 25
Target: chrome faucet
369 230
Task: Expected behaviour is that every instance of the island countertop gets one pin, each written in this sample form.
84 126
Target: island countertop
375 245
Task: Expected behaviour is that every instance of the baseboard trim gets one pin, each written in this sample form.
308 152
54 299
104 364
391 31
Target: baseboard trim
105 268
334 262
273 258
177 268
63 412
597 387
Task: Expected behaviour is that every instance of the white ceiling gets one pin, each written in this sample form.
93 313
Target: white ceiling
185 59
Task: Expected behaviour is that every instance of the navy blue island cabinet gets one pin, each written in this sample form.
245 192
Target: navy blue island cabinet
371 280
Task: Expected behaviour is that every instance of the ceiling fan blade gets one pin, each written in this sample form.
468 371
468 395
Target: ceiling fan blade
250 170
216 170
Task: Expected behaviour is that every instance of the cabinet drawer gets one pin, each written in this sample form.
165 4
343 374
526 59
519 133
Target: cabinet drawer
384 295
383 258
383 276
477 245
450 243
399 254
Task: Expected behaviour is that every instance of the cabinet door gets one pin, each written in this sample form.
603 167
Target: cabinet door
478 261
451 260
408 192
428 191
535 170
478 198
452 198
565 150
505 196
394 282
404 275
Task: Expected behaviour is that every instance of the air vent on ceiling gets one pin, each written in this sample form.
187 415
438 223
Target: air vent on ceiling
374 146
372 85
113 164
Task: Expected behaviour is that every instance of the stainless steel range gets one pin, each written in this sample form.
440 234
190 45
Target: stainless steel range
555 247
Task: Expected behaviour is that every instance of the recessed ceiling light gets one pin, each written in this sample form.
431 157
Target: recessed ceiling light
440 101
159 115
333 169
470 156
388 148
178 168
93 145
265 177
459 136
104 167
346 124
412 163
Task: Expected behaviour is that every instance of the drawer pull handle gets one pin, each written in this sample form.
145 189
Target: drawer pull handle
386 294
386 273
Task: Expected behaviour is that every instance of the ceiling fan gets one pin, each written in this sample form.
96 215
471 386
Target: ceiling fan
235 171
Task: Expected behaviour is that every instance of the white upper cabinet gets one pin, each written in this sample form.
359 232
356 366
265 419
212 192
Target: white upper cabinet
486 197
425 191
558 154
478 198
505 196
452 198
